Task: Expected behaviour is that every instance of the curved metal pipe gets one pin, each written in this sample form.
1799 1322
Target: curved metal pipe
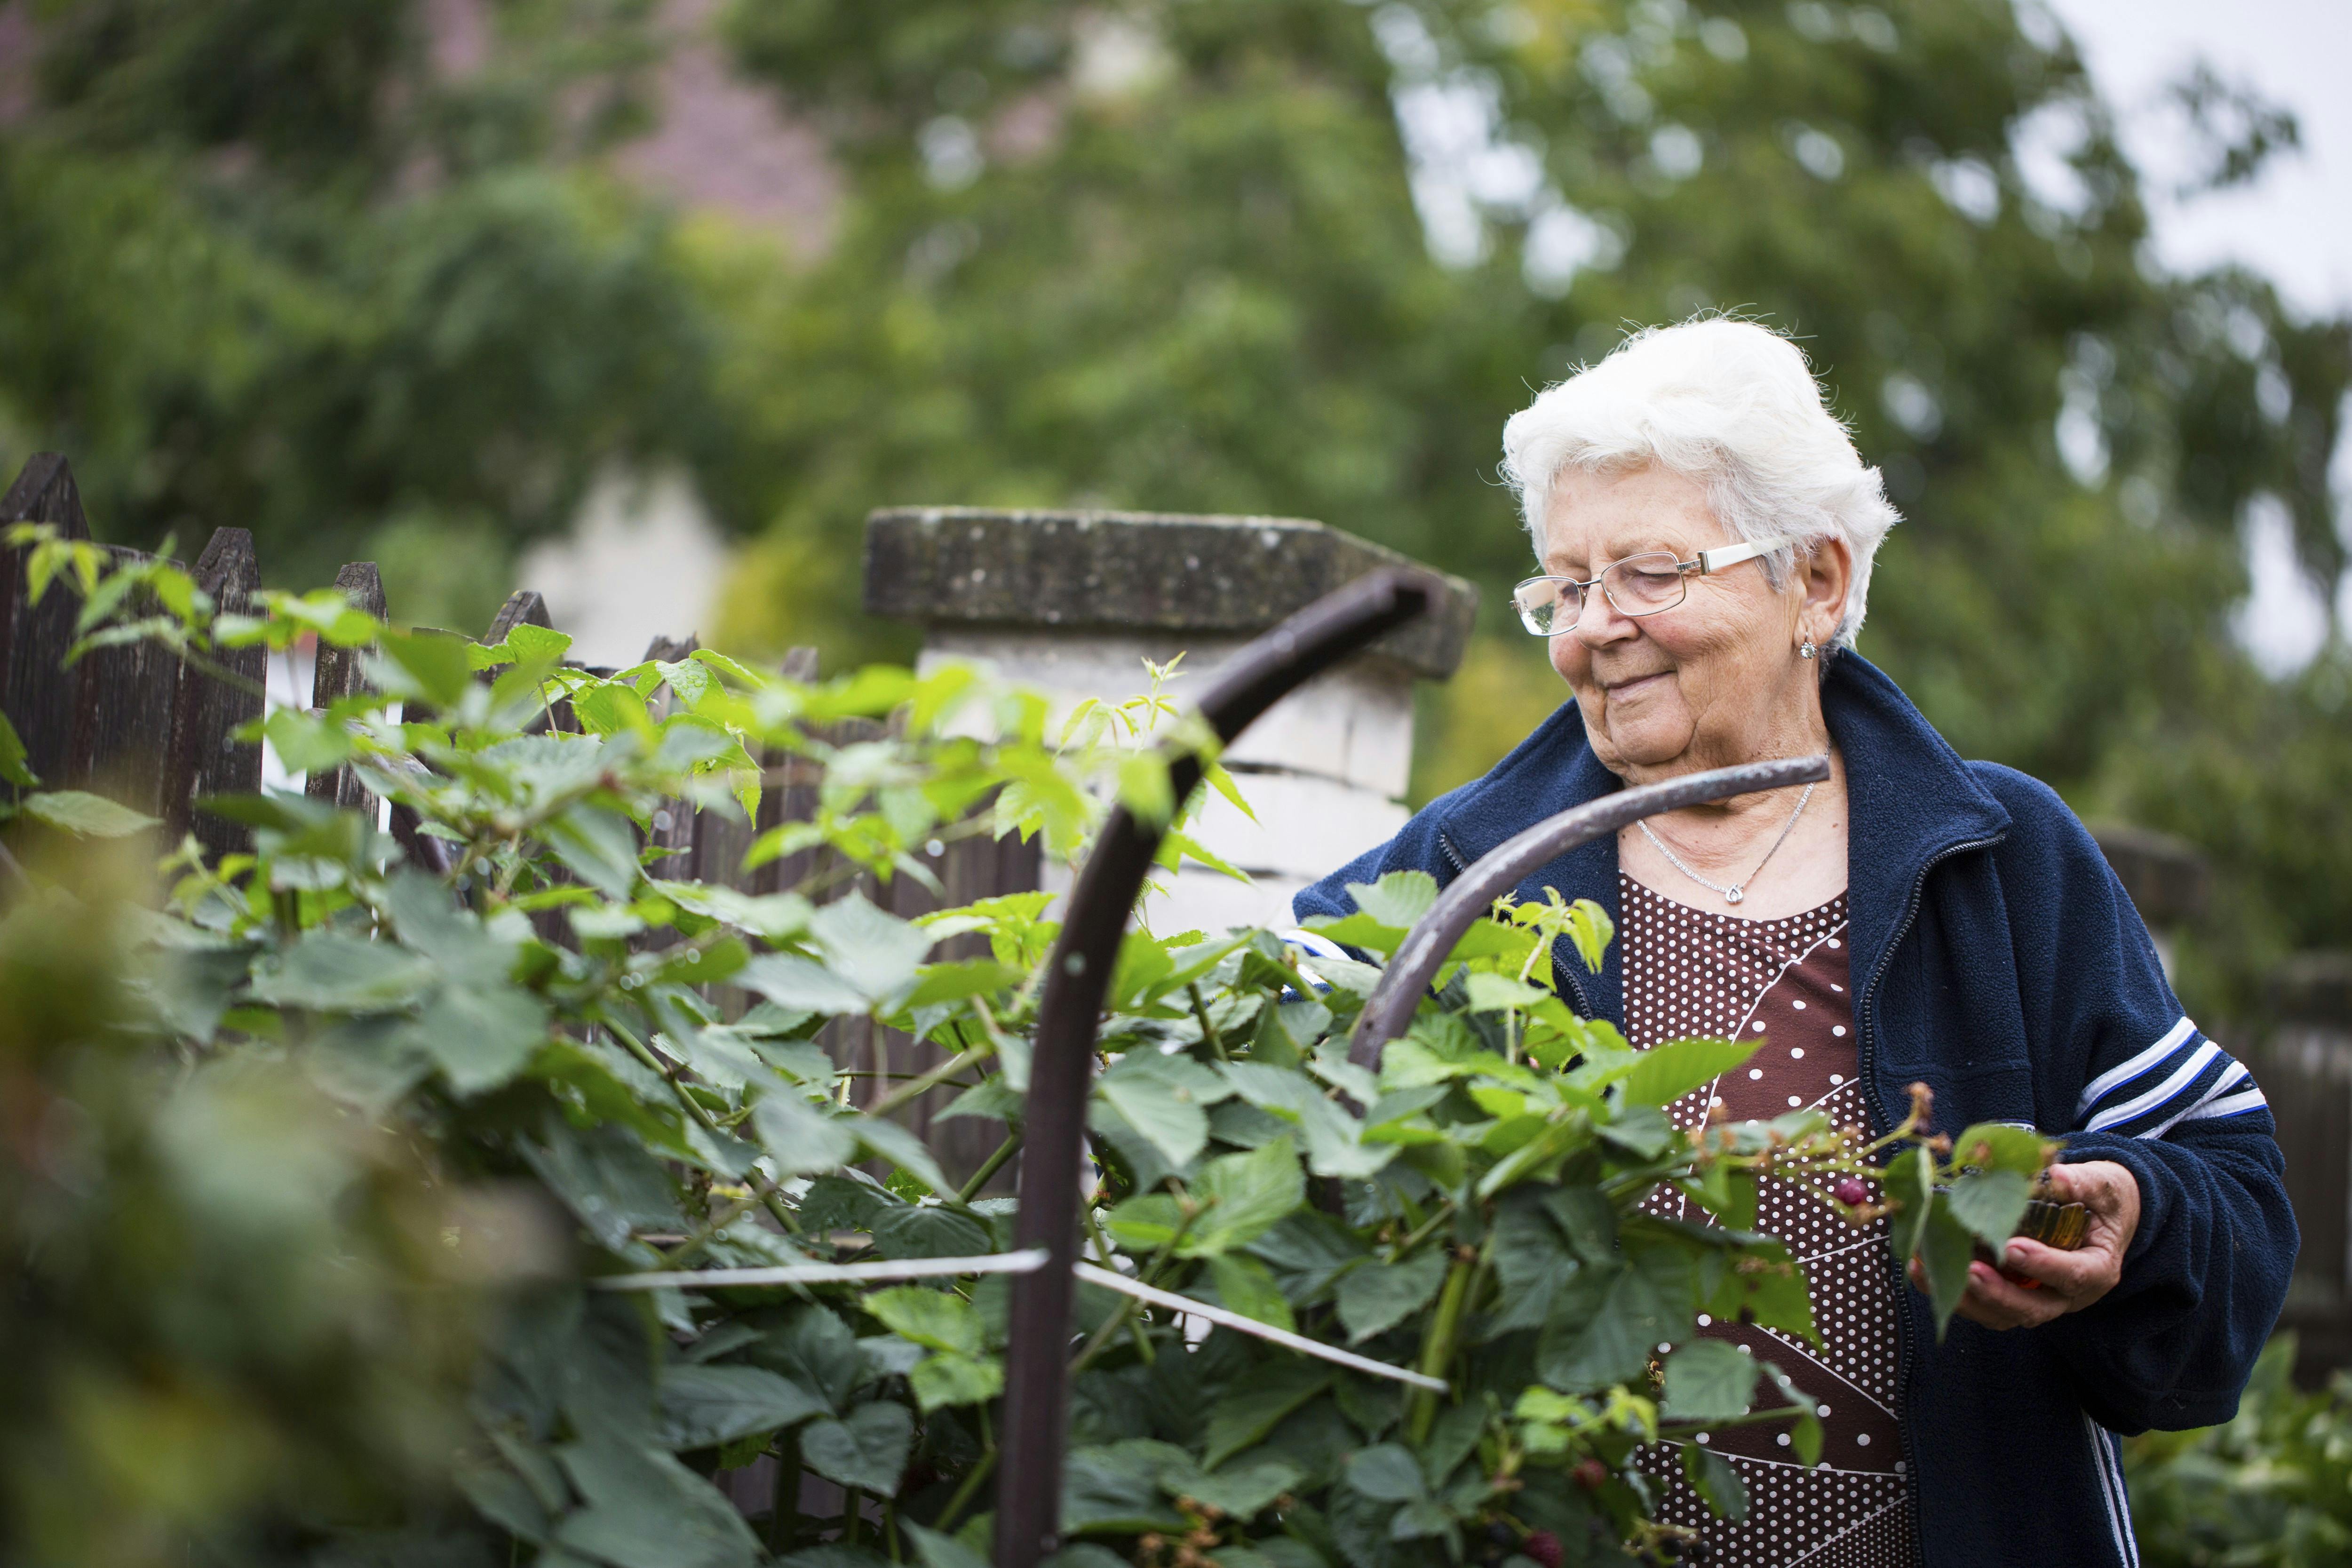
1389 1012
1036 1372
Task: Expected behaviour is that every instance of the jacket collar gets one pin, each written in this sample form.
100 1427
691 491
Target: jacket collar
1910 800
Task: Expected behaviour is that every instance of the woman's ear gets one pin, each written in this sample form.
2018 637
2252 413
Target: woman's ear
1823 580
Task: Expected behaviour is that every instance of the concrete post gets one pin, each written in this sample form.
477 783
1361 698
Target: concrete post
1073 601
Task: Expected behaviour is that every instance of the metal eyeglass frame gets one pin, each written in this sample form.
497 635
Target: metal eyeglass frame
1706 564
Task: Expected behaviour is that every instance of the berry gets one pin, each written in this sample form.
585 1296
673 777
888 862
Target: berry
1850 1192
1591 1474
1544 1547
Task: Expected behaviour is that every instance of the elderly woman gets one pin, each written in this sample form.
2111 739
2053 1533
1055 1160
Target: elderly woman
1706 530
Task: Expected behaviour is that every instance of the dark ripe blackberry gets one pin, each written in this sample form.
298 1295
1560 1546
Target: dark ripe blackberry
1501 1535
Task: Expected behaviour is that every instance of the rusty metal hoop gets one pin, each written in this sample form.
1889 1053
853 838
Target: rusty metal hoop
1036 1372
1389 1011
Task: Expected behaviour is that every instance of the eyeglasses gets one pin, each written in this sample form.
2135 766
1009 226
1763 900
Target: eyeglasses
1638 585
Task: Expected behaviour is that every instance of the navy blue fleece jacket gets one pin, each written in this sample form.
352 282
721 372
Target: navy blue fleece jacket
1999 962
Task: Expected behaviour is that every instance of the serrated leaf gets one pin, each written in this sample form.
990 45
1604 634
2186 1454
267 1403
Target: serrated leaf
951 1378
14 768
789 980
90 816
1386 1472
1245 1195
876 952
329 972
1399 899
1989 1204
1377 1296
1663 1074
1945 1250
937 1320
1246 1286
866 1449
481 1036
1998 1146
702 1407
1716 1480
1708 1380
598 845
803 1139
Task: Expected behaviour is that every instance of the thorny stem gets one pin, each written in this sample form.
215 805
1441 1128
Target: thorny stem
1208 1030
693 1107
989 1167
1128 1305
926 1083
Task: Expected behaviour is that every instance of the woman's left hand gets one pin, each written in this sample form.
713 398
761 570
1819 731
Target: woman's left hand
2063 1282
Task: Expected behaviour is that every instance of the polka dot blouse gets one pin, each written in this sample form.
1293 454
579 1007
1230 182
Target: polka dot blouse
1690 971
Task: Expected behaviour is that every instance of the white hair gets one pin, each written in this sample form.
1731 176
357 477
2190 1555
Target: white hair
1724 403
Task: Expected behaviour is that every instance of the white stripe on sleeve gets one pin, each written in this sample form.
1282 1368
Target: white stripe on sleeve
2147 1061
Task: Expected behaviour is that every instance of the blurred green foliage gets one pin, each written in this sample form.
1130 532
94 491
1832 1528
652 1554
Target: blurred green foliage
1181 256
2272 1489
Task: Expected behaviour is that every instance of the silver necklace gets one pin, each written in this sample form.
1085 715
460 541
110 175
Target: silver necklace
1738 890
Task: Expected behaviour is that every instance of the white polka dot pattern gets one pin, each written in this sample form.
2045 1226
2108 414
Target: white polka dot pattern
1689 971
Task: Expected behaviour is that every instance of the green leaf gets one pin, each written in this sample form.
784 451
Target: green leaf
886 1140
539 644
1493 992
867 1448
1166 1099
480 1038
1398 898
1716 1480
1708 1380
791 981
1241 1492
1663 1074
876 952
1243 1417
13 766
1145 1222
1946 1249
1590 930
90 816
329 972
1602 1328
1246 1286
1387 1472
939 1550
817 1351
702 1407
1910 1187
938 983
306 743
598 845
1998 1146
951 1378
1989 1204
644 1510
1247 1192
1377 1296
803 1139
431 664
937 1320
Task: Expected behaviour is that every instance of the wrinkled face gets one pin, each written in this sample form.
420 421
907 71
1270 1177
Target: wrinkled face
1711 682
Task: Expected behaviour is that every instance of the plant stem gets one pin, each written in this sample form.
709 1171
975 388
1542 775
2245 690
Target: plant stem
1438 1349
693 1107
1128 1305
964 1490
1208 1030
924 1084
784 1496
989 1167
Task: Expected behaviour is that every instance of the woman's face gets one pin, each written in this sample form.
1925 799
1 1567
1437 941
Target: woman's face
1714 681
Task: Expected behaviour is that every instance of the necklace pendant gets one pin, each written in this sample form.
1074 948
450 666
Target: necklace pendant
1733 895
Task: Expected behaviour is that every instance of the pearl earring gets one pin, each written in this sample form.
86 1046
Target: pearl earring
1806 650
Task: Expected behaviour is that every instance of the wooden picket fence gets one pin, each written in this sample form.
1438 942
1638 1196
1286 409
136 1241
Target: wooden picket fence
142 727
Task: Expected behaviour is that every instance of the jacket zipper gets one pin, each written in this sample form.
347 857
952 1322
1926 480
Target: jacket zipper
1560 971
1866 1063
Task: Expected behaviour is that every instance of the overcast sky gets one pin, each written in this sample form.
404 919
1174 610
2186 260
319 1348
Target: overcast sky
2295 224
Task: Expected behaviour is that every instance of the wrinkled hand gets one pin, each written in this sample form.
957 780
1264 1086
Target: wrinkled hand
2063 1282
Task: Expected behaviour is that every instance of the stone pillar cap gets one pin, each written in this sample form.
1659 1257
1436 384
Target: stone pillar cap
1136 571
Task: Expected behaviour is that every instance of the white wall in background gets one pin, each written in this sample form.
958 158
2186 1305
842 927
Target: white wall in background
643 560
